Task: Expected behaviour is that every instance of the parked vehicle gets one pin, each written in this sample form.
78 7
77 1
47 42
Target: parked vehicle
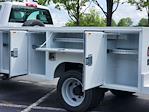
87 60
16 14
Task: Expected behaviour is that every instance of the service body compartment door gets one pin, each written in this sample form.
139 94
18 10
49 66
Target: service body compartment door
95 59
18 53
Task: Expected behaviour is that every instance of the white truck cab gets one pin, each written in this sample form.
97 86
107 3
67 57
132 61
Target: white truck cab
16 14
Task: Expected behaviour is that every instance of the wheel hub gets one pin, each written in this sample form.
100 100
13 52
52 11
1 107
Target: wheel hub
78 90
72 92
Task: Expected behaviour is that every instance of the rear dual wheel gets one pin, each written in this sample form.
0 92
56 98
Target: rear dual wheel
71 94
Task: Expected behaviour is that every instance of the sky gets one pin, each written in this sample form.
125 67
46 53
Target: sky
60 17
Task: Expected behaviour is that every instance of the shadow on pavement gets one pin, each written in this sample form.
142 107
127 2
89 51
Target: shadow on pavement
112 103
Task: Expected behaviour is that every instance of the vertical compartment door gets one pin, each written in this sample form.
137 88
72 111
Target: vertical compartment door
95 59
18 53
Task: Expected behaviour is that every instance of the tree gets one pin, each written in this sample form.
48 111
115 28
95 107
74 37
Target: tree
73 7
43 2
90 19
141 4
113 23
143 22
125 22
110 9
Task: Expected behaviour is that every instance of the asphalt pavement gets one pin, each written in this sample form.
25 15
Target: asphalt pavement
36 94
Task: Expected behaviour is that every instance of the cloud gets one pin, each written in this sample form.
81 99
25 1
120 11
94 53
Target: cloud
126 10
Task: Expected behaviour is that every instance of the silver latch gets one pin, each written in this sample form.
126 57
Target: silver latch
89 60
14 53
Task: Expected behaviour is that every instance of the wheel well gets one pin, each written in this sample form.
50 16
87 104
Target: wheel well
63 67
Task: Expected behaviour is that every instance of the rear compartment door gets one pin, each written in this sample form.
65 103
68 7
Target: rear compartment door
18 53
95 59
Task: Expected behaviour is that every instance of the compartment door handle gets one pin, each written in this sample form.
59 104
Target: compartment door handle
14 53
89 60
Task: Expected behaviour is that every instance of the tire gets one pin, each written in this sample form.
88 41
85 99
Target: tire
119 93
69 90
5 77
33 23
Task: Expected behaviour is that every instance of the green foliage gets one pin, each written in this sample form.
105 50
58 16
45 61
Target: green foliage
41 2
125 22
73 7
143 22
139 3
70 4
113 23
91 19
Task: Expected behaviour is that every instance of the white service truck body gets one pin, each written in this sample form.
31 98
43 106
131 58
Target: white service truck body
86 59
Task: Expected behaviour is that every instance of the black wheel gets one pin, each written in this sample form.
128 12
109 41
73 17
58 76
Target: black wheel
122 93
5 77
71 95
33 23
